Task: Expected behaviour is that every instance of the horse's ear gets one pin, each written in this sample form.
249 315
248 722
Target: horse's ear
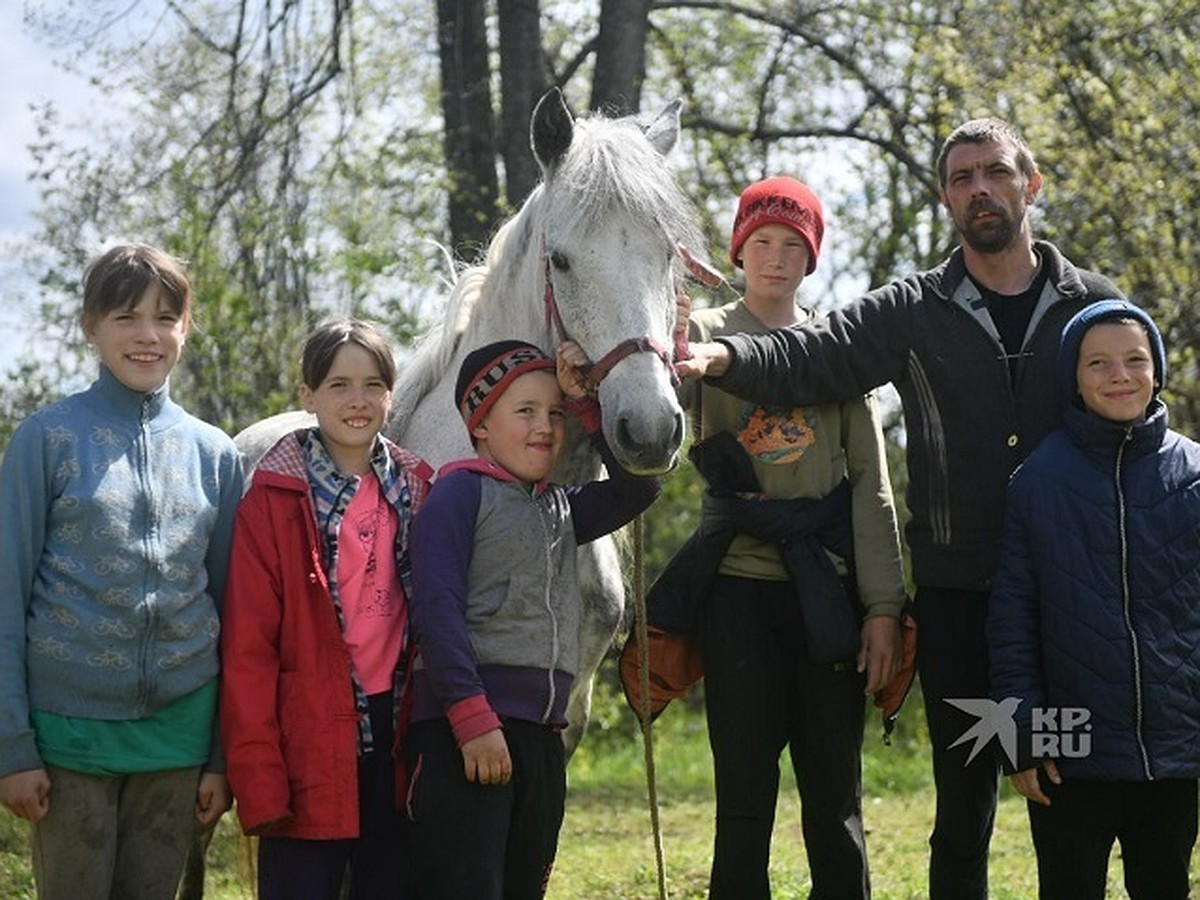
663 132
551 129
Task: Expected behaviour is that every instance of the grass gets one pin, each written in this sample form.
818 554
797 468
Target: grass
606 849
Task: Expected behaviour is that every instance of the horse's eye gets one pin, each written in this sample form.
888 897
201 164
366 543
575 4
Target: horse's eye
559 261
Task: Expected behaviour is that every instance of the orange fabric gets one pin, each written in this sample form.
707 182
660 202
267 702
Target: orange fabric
890 698
675 666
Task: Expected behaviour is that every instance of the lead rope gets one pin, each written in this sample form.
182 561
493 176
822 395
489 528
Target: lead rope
709 277
643 638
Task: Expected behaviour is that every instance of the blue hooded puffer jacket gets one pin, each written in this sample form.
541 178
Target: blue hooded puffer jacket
1096 604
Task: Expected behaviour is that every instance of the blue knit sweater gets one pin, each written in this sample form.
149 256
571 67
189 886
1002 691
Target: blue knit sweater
119 508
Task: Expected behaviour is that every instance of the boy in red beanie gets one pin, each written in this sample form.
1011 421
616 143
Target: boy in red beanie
496 614
788 650
779 201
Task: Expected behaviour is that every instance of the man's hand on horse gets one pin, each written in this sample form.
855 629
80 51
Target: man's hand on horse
708 358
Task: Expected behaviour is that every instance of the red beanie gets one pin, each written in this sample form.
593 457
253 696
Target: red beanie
779 201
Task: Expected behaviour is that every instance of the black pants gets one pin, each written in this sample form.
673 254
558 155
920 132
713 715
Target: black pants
952 662
1155 821
764 693
485 842
294 869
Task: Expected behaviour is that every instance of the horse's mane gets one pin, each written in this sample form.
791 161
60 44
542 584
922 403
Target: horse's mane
608 166
432 354
435 351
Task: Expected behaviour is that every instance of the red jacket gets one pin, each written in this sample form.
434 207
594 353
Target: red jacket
288 719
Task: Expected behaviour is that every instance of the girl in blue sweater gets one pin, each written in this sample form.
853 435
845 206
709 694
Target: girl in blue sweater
1094 620
119 511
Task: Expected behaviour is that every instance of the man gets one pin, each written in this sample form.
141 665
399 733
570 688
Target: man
971 347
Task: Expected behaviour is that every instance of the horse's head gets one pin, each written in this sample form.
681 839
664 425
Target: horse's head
613 218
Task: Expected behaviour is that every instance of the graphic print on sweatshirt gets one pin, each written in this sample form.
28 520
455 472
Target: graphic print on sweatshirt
366 524
774 435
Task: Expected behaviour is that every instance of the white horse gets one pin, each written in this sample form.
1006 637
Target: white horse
592 255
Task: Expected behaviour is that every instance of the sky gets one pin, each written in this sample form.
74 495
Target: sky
27 75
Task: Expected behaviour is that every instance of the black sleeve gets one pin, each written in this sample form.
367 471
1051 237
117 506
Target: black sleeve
853 351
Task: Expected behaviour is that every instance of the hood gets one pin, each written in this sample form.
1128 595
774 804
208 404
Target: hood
1094 314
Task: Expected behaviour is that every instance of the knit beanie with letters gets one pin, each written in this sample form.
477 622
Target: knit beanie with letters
779 201
485 373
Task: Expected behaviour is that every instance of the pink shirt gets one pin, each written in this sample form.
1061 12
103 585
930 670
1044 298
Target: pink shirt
372 598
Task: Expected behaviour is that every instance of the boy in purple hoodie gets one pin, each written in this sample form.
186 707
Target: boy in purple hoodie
496 612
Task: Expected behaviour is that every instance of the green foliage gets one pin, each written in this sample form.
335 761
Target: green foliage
283 160
27 389
296 158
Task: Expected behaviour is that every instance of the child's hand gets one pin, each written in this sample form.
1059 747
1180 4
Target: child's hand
1027 784
881 652
570 359
486 759
679 334
212 798
26 794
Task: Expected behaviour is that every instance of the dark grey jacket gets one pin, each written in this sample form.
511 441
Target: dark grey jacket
968 425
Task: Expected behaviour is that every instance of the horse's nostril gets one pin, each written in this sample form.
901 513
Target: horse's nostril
624 436
627 441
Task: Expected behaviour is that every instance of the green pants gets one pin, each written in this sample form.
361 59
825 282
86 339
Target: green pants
116 837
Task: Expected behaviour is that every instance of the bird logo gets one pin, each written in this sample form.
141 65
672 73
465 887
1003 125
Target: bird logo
995 721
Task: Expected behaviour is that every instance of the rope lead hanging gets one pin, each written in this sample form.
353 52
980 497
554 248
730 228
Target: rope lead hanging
643 639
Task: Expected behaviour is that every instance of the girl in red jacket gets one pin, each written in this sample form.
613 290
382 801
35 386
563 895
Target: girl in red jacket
315 631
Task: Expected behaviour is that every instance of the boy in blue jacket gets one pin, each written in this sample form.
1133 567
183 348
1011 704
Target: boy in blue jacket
496 613
1094 621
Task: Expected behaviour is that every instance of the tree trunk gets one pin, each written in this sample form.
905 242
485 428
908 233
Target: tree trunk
523 79
621 56
470 128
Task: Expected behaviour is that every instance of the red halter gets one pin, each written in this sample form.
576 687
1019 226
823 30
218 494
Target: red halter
596 372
